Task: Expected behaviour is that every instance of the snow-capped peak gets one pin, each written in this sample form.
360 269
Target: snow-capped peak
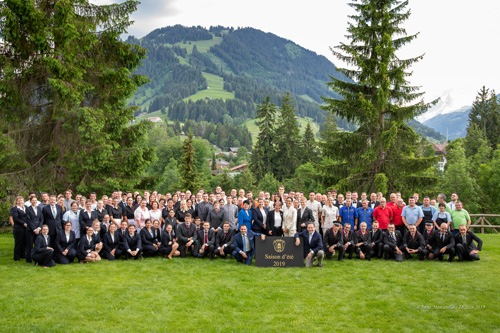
452 100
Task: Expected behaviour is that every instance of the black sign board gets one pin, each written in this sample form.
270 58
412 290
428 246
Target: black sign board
279 252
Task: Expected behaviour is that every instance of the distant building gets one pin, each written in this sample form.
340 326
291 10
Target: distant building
239 168
440 152
155 119
220 164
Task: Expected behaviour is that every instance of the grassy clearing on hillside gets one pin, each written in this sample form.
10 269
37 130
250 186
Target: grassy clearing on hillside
202 45
190 295
215 89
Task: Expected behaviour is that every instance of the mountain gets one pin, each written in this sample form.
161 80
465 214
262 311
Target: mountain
452 125
450 101
220 74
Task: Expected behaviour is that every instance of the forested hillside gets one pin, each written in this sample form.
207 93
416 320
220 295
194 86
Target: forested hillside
219 75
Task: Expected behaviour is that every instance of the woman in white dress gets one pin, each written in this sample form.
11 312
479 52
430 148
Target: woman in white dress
289 219
329 215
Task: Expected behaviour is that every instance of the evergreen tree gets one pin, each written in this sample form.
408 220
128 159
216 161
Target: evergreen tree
458 178
485 114
309 145
379 99
65 78
264 151
189 174
214 163
489 181
287 140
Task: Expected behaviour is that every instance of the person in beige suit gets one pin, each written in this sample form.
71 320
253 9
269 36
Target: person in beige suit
289 219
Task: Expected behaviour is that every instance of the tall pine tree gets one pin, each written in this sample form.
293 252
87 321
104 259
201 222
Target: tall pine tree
189 174
380 100
485 115
264 151
287 140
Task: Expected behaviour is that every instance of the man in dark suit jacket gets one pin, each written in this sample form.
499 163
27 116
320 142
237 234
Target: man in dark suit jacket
349 238
216 217
224 241
313 245
464 244
442 242
414 243
206 239
333 241
52 217
304 215
187 237
377 236
244 246
363 241
87 217
373 201
35 217
393 243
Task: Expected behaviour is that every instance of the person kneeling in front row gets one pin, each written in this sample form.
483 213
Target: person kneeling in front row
313 245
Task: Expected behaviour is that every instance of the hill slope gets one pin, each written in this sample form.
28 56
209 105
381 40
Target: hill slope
219 75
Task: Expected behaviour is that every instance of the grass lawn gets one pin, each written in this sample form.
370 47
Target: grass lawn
191 295
215 89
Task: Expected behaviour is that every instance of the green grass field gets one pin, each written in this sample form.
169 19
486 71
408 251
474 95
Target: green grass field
202 45
192 295
215 89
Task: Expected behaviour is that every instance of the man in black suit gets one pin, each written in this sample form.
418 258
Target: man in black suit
52 217
206 239
35 217
373 201
464 244
414 243
333 241
377 236
304 215
244 245
349 238
87 217
393 243
187 237
363 241
216 216
442 242
224 241
313 245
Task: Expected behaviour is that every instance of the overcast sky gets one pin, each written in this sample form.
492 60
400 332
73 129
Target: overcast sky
459 38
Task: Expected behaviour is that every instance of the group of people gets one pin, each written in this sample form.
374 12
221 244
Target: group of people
60 229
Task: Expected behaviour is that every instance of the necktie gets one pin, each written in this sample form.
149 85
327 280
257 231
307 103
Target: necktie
442 237
310 238
464 239
205 239
53 211
244 243
393 236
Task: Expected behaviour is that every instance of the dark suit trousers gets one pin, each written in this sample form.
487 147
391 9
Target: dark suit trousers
390 253
340 250
67 259
366 250
209 251
183 250
30 240
464 253
109 256
438 255
227 250
239 257
19 243
149 250
44 258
